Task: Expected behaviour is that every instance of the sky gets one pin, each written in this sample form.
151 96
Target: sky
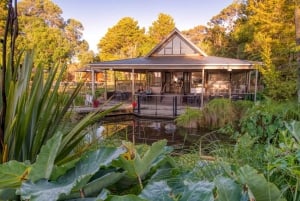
97 16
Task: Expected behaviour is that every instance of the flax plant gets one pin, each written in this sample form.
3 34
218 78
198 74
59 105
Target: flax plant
35 110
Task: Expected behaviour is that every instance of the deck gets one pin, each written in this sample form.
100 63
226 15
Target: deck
153 106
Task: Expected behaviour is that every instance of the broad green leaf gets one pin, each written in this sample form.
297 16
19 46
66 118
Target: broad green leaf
201 190
227 189
74 180
294 128
62 169
12 174
261 189
124 198
43 166
141 165
8 194
157 191
44 190
94 188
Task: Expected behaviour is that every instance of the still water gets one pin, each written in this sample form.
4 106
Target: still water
141 130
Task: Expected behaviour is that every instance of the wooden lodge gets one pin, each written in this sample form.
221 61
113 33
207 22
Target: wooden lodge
176 72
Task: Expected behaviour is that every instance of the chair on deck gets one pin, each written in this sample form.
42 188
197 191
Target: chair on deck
88 99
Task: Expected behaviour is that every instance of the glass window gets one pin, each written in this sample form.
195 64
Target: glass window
196 79
155 78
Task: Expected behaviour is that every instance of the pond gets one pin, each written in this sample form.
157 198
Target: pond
141 130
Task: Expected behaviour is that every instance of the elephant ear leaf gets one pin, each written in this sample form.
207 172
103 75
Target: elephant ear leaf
157 191
44 164
137 165
257 185
12 174
195 191
294 128
125 198
227 189
73 180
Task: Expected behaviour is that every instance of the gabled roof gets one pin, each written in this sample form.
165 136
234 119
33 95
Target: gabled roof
177 44
175 52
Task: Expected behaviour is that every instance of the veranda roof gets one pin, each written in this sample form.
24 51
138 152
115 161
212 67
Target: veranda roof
175 62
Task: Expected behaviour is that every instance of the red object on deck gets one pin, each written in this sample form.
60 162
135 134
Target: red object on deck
134 104
96 103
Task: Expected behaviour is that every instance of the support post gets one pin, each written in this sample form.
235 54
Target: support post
105 85
93 83
132 84
256 81
203 88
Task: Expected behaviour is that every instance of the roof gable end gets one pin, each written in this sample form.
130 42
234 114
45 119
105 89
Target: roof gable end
175 44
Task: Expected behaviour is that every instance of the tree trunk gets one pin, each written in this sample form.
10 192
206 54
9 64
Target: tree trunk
297 26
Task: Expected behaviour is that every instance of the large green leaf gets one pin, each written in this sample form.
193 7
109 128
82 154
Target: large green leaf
44 190
294 128
94 188
261 189
227 189
124 198
12 174
43 166
74 180
195 191
140 165
62 169
8 194
157 191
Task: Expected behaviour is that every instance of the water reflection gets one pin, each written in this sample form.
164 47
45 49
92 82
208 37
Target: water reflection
141 130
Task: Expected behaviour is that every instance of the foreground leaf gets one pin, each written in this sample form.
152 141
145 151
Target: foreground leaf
140 165
43 166
157 191
261 189
12 174
227 189
125 198
202 190
74 180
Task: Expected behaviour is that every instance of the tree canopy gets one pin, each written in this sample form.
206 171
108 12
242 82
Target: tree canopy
122 40
43 29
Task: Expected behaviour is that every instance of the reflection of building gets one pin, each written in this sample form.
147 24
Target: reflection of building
177 66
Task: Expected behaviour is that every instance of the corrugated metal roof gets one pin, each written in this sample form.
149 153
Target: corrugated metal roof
174 60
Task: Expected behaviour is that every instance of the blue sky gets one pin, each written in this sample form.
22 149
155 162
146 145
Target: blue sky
99 15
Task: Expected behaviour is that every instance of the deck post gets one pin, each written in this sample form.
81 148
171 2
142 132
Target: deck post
202 90
93 83
105 85
132 84
249 81
256 81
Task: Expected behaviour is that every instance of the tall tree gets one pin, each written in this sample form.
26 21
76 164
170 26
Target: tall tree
196 35
219 31
297 23
45 31
161 27
3 16
271 24
124 40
